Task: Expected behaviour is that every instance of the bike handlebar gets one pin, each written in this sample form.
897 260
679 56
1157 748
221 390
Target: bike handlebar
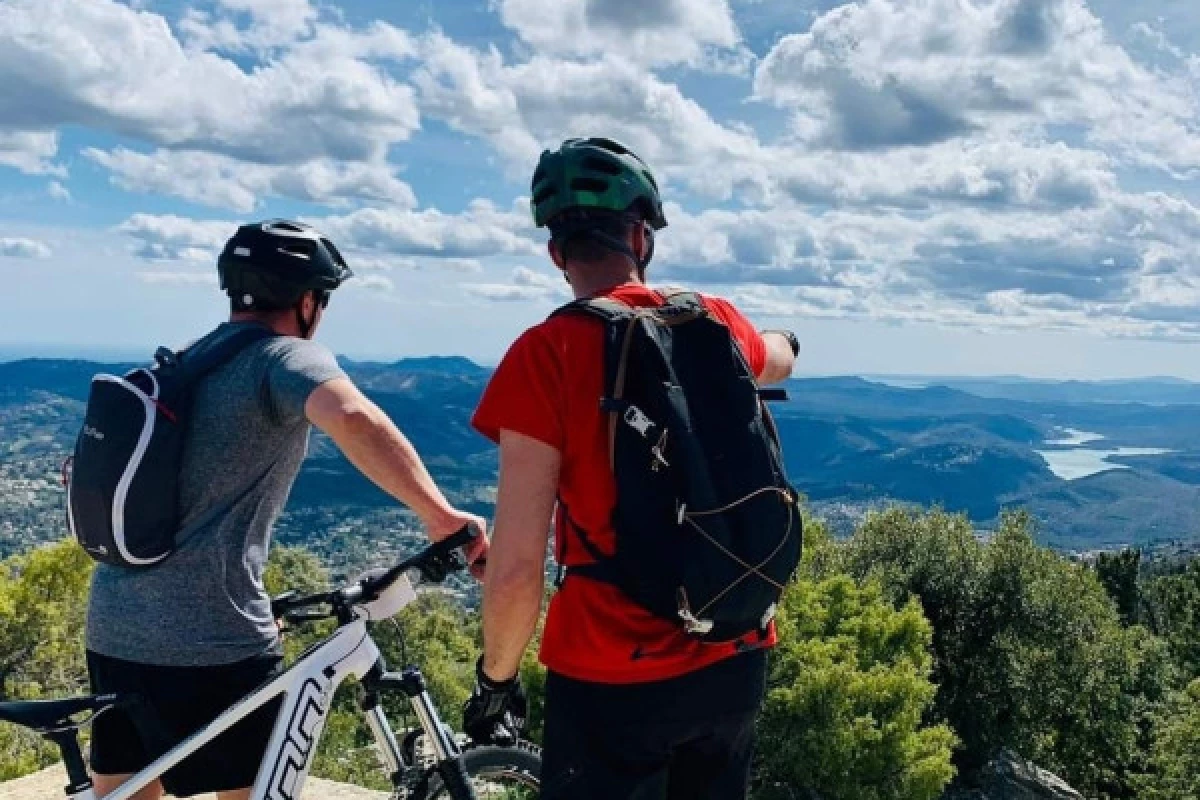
433 563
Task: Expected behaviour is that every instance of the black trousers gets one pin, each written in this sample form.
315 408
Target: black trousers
687 738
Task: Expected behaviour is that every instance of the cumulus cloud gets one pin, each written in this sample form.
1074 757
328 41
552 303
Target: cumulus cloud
104 65
1121 268
219 180
481 230
272 23
58 191
654 32
525 106
525 286
169 237
30 151
18 247
881 73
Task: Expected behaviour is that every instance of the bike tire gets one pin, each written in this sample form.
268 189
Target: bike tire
497 773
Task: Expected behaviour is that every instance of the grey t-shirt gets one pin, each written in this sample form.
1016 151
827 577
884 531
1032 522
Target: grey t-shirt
205 605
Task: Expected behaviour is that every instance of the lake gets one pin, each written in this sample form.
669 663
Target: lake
1079 462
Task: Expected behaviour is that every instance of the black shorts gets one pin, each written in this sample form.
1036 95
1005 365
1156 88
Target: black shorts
174 703
687 738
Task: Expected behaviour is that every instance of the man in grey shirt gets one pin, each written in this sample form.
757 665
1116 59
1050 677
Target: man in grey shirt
195 633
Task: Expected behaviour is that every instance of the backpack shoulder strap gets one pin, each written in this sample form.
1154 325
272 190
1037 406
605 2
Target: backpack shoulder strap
683 300
604 308
215 349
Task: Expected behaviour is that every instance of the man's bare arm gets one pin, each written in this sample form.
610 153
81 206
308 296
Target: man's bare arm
380 451
516 570
780 359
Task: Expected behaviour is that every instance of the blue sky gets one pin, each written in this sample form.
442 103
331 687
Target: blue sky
915 186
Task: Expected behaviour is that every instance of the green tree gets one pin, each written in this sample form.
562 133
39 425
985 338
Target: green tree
1029 652
43 606
1171 608
847 689
1119 574
43 597
1175 755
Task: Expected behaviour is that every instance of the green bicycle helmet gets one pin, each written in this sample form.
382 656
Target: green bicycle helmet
594 174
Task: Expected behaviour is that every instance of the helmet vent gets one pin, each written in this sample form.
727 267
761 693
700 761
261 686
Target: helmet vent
609 144
589 185
302 248
601 165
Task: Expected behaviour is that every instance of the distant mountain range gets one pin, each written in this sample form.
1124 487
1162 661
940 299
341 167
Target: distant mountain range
851 444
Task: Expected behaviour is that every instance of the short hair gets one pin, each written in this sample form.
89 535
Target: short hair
575 233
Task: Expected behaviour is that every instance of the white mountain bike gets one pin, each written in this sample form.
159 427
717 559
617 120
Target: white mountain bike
459 770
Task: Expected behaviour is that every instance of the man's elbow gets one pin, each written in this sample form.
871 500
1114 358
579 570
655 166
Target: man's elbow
510 576
350 419
778 369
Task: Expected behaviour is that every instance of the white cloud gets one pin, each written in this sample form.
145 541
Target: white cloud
173 238
505 292
58 191
30 151
19 247
880 73
481 230
654 32
222 181
525 285
524 107
273 23
1120 268
104 65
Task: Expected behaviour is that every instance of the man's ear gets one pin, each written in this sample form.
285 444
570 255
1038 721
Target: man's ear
637 241
556 255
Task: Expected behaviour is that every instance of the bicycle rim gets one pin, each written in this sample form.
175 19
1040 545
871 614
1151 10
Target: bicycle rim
498 773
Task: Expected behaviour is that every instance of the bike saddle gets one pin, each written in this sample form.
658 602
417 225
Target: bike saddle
49 715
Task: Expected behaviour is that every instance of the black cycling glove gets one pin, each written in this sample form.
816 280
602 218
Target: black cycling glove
792 341
496 711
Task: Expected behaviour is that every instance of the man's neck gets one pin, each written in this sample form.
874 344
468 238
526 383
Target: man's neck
279 323
593 280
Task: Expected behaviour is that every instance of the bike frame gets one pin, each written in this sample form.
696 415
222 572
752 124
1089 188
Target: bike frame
307 688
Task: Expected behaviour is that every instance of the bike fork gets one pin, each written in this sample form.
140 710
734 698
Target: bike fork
449 756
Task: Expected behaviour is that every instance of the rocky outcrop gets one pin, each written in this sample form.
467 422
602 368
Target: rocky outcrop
1010 777
48 785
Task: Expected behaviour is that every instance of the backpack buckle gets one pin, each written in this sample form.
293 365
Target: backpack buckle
636 418
691 623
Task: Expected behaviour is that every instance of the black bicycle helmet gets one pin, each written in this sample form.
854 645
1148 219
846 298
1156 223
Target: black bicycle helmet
269 265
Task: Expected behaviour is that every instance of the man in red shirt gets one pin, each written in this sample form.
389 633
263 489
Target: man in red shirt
635 708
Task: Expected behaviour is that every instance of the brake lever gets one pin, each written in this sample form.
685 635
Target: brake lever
436 569
281 603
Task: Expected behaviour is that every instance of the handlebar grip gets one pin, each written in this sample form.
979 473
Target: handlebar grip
462 538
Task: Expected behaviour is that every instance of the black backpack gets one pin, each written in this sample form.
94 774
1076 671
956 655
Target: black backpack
123 489
708 529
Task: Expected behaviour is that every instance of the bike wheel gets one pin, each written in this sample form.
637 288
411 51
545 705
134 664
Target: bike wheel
498 773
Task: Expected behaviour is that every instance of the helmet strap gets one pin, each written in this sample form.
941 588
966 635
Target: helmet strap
645 260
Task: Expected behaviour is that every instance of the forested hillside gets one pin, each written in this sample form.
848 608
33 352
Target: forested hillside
851 446
911 654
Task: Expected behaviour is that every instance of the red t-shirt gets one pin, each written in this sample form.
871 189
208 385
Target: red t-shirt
548 387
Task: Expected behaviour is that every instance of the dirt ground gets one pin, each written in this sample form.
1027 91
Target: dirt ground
48 785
